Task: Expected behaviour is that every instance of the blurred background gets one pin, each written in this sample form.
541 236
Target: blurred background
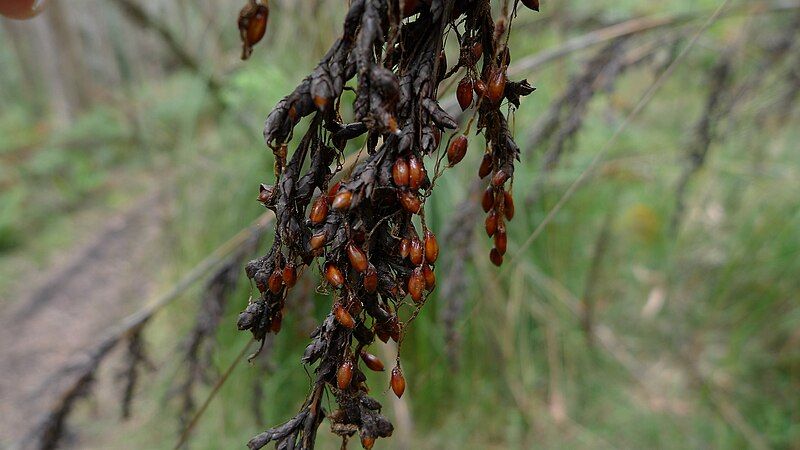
653 305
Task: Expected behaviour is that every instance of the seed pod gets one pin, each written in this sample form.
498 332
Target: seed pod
501 240
416 285
531 4
495 257
373 362
477 50
496 86
400 172
417 252
486 165
416 172
342 200
509 205
275 282
370 279
405 247
398 382
357 257
333 275
319 210
464 93
480 88
457 150
491 223
500 177
343 317
367 441
318 240
290 275
487 202
410 202
430 277
345 374
431 247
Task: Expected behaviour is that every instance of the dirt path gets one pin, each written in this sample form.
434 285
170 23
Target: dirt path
98 283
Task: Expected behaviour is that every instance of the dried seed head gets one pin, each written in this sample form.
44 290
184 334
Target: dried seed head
398 382
343 317
373 362
319 210
495 257
333 275
357 257
275 282
410 202
416 172
417 252
457 150
431 247
345 374
370 279
486 165
290 275
491 223
416 285
342 200
400 173
487 202
509 205
464 93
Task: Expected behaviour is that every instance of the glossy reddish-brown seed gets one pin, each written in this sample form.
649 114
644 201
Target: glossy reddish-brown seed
410 202
277 321
416 285
383 334
400 173
265 193
275 282
477 50
343 317
464 93
405 247
487 202
501 240
290 275
345 374
367 442
342 200
457 150
318 240
480 88
257 25
416 172
370 279
394 328
319 210
508 205
333 191
417 252
398 382
372 361
333 275
430 277
531 4
357 257
491 223
431 247
495 257
486 165
496 86
499 178
437 135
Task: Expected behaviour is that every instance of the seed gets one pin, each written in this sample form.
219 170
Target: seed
480 88
343 317
394 328
409 6
382 334
509 205
487 202
496 86
416 285
357 257
372 361
367 442
290 275
430 277
345 374
491 223
342 200
405 247
275 282
318 240
495 257
457 150
333 275
410 202
416 254
501 240
416 173
398 382
332 191
370 279
477 50
319 210
437 135
486 166
464 93
265 193
400 172
499 178
257 25
531 4
431 247
277 321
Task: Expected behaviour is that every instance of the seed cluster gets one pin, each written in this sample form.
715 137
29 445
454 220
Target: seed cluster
367 233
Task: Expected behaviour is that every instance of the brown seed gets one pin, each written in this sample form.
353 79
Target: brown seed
491 223
277 321
496 86
343 317
437 135
400 172
464 93
486 166
501 240
370 279
487 202
333 275
318 240
431 247
333 191
342 200
430 277
319 210
394 328
290 275
257 25
405 247
509 205
417 252
499 178
477 50
495 257
410 202
357 257
367 442
275 282
383 334
480 88
416 285
345 374
372 361
265 193
531 4
457 150
398 382
416 172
